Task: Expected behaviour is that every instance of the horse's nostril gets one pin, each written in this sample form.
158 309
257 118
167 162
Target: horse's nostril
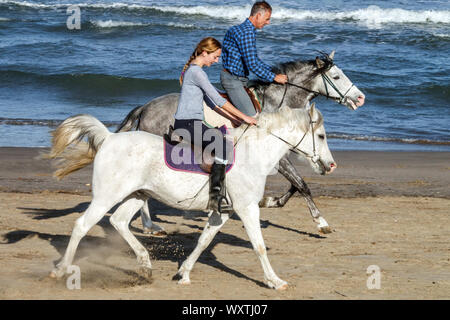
361 100
333 167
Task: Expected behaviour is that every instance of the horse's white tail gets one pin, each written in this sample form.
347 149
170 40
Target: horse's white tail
67 145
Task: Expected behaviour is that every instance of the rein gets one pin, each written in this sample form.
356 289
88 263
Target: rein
295 149
325 79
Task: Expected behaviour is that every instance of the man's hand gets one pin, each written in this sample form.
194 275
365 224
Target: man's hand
281 78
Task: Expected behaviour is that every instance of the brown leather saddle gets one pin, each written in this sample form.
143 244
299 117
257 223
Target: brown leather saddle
252 96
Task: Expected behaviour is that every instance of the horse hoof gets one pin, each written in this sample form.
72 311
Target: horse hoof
283 287
159 234
145 272
269 202
55 275
325 230
155 233
184 282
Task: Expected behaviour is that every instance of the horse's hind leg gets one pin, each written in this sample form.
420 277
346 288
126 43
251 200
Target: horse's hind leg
149 226
97 209
120 220
287 169
278 202
203 242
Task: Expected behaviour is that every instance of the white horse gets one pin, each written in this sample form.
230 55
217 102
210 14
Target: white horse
129 168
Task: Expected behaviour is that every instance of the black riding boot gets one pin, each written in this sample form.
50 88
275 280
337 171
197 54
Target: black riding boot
217 196
216 184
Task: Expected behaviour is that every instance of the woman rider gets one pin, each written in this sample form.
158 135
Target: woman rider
194 86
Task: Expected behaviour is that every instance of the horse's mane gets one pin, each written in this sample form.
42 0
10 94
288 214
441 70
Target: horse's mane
295 65
292 66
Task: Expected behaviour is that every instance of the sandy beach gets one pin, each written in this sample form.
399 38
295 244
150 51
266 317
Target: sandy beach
388 209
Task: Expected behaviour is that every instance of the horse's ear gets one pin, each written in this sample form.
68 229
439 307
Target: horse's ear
319 63
312 109
332 55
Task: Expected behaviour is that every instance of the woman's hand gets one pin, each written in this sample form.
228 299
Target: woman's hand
238 114
250 120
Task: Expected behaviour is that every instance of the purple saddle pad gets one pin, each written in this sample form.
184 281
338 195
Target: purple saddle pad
181 157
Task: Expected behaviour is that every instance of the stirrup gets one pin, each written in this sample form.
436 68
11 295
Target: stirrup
226 208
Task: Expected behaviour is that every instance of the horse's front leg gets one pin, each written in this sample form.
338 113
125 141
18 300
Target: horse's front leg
205 239
250 217
287 169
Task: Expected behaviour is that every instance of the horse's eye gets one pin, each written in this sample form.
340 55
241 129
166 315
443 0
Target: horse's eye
336 77
321 136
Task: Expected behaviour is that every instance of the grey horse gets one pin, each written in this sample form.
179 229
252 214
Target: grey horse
307 80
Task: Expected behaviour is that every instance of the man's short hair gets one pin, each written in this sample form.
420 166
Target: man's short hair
260 6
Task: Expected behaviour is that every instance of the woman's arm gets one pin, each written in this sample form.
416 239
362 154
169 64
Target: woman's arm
228 107
203 82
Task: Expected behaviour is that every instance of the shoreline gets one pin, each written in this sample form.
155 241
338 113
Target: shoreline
359 174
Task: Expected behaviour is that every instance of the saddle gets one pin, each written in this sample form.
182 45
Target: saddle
197 160
215 117
252 96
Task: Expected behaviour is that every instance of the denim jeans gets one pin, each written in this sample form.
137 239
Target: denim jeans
234 86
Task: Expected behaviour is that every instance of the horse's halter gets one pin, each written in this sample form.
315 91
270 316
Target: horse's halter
294 148
326 79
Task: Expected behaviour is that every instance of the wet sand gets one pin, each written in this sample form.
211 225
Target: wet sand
389 209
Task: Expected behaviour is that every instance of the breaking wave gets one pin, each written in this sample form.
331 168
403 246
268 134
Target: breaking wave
118 24
372 15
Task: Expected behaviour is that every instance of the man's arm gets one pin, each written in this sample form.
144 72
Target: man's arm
247 45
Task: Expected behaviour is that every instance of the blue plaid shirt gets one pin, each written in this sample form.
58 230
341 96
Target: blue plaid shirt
239 52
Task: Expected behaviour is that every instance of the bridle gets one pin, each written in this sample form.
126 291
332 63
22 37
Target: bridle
295 149
326 81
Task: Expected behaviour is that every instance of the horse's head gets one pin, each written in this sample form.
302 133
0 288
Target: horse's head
308 138
333 83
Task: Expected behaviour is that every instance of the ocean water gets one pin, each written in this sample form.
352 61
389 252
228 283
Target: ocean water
129 52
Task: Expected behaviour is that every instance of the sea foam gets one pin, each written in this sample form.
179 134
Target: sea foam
372 15
116 24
